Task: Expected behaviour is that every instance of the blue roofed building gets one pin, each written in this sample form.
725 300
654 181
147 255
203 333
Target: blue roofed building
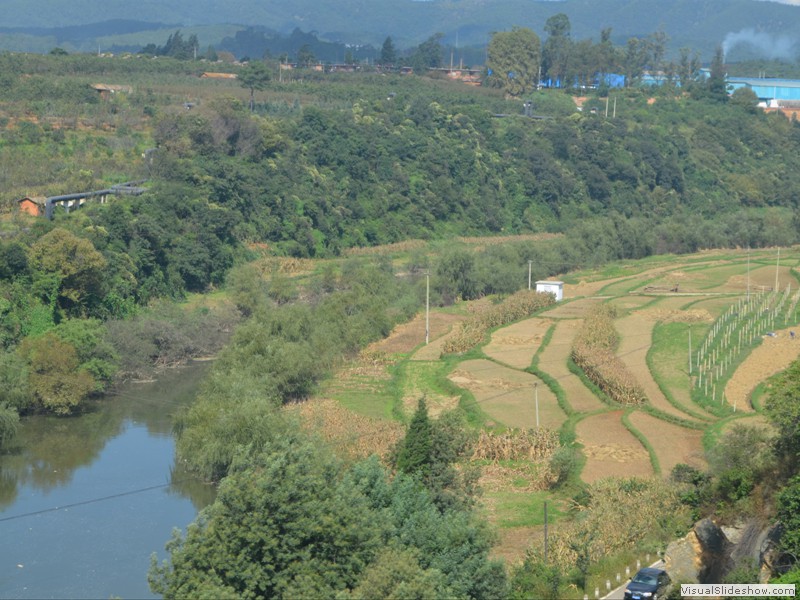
770 92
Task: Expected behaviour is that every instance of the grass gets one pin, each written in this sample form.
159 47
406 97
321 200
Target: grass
669 370
524 508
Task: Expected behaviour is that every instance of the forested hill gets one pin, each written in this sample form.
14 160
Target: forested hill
433 161
699 24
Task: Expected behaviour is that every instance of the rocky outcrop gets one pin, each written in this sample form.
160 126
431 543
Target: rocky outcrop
708 551
703 556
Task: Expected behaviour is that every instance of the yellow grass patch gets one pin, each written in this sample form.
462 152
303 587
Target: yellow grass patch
350 434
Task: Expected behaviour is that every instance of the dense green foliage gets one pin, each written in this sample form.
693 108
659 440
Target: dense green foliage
291 522
355 166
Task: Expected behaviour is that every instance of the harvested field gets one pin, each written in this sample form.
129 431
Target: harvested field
762 277
507 395
636 333
516 344
774 355
611 450
553 361
574 309
672 444
625 304
407 336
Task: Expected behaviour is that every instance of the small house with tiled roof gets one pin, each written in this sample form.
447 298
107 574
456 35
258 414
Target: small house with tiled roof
32 205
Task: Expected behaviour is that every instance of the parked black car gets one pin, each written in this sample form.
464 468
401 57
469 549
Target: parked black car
647 584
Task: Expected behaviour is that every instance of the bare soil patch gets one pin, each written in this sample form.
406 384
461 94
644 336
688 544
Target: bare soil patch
516 344
774 355
553 361
507 395
611 450
672 444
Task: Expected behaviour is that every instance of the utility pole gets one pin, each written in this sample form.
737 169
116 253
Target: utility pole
529 274
545 532
777 267
536 400
690 351
748 272
427 307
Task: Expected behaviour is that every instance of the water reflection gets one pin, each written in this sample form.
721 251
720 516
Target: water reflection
87 500
48 450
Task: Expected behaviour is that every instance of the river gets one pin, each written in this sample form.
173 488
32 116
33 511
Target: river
85 501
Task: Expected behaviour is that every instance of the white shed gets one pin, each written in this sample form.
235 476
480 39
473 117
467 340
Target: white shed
553 287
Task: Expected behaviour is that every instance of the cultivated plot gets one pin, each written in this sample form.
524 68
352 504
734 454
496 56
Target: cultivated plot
516 344
774 355
671 443
508 395
610 449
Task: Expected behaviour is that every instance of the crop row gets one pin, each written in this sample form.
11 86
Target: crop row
593 352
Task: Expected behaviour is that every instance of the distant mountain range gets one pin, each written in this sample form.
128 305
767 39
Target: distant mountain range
749 28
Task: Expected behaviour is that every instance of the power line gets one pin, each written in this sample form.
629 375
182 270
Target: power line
91 501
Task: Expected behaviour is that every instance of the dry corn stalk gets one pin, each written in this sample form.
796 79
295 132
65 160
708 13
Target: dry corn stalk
528 444
593 352
471 332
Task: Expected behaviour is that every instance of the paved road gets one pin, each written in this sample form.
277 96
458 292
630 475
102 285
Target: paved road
619 593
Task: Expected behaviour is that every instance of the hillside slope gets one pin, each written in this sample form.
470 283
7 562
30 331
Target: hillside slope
700 24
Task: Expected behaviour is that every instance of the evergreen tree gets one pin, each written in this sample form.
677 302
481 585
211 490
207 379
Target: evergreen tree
414 456
388 52
716 85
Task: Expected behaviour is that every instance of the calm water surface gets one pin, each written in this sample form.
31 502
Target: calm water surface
85 501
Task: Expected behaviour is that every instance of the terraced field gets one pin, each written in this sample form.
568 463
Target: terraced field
659 329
